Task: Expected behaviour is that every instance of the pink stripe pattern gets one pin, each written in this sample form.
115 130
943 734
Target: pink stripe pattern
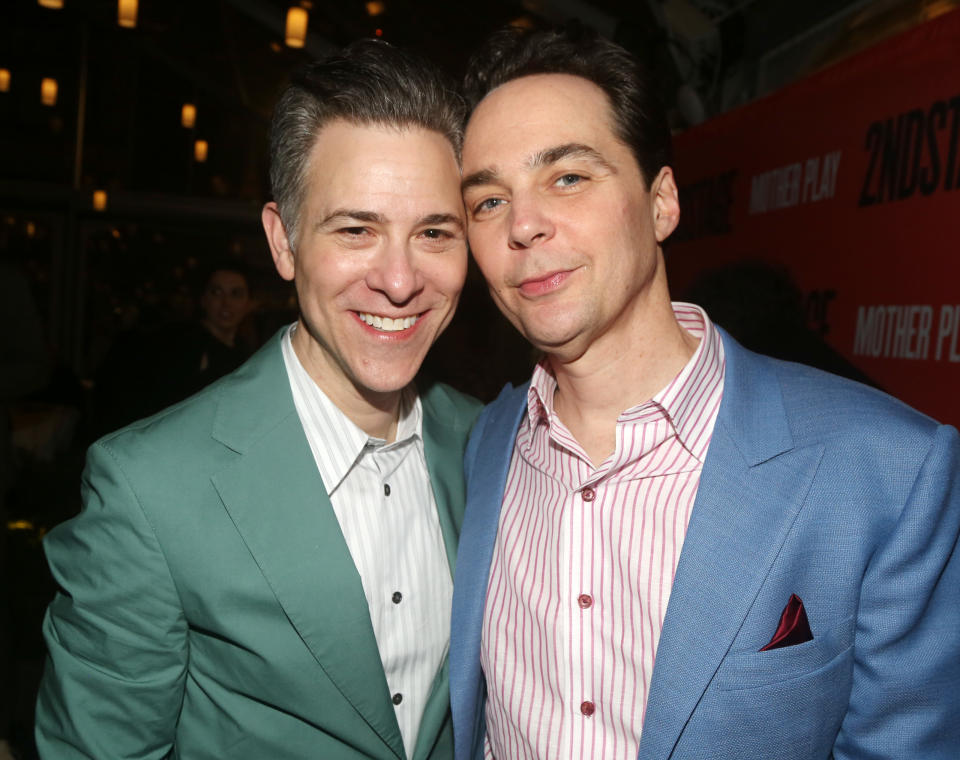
584 561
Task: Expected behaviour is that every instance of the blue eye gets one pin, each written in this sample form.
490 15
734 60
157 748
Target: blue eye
569 179
489 204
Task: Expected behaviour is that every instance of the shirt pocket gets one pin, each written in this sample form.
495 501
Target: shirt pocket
752 669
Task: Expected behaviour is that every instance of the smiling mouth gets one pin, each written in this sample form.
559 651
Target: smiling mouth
388 324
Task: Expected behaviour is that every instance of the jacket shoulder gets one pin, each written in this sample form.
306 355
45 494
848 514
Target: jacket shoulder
821 404
457 409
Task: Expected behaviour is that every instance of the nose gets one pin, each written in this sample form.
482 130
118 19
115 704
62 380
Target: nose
396 273
530 225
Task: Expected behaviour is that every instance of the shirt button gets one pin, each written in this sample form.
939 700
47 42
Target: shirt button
398 698
397 597
588 494
584 600
386 489
587 708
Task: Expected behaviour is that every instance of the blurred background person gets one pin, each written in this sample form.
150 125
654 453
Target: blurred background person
149 369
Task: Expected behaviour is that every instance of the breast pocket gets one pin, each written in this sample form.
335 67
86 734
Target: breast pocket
785 703
752 669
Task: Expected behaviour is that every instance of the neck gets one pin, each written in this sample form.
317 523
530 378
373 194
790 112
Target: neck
619 371
375 413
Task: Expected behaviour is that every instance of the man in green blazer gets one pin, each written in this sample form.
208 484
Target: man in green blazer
264 570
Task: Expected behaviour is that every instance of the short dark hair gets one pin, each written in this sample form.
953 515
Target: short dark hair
639 119
369 82
209 268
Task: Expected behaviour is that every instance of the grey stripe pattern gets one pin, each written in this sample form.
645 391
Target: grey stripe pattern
383 501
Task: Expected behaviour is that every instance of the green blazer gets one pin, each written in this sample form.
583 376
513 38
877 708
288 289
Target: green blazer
210 607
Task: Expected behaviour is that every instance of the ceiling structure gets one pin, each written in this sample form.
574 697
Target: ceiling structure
116 123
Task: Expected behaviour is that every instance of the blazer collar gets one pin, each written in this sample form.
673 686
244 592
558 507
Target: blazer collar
487 462
443 449
752 488
277 501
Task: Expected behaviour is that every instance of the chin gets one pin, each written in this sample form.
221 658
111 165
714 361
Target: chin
383 385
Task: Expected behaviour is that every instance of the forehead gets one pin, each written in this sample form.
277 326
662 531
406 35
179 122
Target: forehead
362 164
535 111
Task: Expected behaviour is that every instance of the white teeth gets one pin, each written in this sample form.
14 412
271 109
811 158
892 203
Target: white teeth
387 324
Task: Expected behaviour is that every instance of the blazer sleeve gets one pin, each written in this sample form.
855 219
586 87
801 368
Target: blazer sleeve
905 698
115 632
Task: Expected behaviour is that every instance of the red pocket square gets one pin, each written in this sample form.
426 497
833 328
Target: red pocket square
793 627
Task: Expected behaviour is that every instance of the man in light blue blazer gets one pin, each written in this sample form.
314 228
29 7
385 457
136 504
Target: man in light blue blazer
814 608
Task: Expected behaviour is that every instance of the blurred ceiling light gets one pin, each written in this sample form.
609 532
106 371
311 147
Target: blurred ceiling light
188 115
48 91
127 13
99 200
200 151
296 32
938 8
19 525
55 4
4 80
375 8
31 229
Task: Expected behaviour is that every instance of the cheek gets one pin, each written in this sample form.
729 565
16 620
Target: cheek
482 238
487 263
449 283
325 277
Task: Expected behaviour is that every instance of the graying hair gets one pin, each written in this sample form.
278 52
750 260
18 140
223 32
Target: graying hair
369 83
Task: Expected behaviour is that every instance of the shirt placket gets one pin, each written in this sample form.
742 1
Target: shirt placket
575 632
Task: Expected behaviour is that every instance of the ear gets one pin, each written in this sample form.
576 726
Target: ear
666 204
283 258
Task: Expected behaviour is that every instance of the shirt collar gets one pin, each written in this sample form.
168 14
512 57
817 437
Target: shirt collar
335 440
682 401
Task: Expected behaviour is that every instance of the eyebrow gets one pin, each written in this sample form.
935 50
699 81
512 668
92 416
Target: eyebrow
482 177
372 217
540 159
433 220
568 150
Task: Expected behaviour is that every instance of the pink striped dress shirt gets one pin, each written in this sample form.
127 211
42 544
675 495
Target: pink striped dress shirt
584 561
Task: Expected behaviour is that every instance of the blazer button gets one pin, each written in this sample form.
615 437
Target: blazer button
588 494
397 597
587 708
386 489
397 698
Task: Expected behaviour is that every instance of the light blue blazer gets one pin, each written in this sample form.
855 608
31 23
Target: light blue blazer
812 485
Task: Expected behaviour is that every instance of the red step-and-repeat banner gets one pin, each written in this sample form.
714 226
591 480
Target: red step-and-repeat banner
850 179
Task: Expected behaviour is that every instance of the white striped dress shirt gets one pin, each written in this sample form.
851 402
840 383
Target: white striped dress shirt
583 564
383 501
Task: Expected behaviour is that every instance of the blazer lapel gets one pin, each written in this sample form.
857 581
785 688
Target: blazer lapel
487 463
442 445
752 487
279 505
